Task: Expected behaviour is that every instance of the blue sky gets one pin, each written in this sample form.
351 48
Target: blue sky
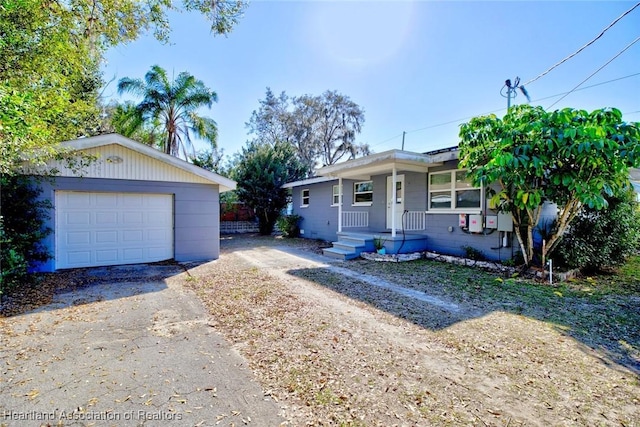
411 65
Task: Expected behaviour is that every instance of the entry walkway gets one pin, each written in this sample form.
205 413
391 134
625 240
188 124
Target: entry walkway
283 259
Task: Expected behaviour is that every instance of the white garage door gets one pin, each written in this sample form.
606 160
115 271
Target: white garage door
94 229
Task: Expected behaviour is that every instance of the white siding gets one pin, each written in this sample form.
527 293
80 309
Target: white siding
118 162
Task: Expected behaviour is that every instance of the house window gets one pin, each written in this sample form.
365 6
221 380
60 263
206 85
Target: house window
335 196
363 192
304 196
453 190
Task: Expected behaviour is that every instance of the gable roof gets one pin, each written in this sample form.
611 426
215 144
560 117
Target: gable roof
364 167
113 139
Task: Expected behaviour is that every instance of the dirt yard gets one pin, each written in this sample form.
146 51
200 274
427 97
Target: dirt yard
346 349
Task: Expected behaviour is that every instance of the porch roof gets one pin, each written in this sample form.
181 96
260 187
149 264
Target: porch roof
379 163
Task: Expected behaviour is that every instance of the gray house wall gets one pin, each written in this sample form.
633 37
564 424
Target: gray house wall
415 197
196 212
444 235
320 218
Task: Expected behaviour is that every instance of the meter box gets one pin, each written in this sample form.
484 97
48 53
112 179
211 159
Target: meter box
505 222
491 221
475 223
462 220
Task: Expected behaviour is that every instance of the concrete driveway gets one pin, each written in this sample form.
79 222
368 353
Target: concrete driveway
133 349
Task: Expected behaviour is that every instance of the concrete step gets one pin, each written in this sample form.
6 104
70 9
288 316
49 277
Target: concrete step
348 246
354 240
339 253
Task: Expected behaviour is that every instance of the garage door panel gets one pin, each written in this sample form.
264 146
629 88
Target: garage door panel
159 252
132 200
132 217
133 254
78 200
78 218
157 235
110 255
112 228
80 258
106 218
106 236
104 200
133 236
78 238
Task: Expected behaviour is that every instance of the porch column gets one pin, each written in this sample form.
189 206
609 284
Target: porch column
340 205
393 200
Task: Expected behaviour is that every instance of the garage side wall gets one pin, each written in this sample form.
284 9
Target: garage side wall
196 212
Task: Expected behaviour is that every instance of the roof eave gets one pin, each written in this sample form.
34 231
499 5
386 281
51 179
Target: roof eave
225 184
364 167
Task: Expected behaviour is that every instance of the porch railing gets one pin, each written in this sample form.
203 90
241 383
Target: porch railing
355 219
415 220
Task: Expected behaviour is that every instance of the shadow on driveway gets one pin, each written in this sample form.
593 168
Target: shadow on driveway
125 346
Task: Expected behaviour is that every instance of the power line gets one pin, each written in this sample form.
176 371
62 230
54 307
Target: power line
502 109
535 100
587 87
386 140
585 46
598 70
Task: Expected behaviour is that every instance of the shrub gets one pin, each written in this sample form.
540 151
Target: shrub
378 242
602 239
21 230
289 225
473 253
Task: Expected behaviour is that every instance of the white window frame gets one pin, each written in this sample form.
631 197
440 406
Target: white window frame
335 195
453 188
302 197
355 193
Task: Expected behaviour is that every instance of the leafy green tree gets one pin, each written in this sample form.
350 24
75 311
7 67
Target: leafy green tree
261 172
108 23
598 239
568 157
21 230
123 118
174 103
50 58
210 160
49 81
270 122
323 128
329 123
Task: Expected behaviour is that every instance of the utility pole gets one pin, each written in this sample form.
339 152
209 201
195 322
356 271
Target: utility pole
403 134
510 91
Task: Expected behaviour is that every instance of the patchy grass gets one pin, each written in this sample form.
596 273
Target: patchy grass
335 350
602 312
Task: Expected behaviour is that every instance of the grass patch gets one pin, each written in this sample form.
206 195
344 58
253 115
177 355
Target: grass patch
601 311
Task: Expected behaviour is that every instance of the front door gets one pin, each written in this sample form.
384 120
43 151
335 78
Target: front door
395 200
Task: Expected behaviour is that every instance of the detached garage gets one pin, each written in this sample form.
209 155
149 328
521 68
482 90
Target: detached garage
132 204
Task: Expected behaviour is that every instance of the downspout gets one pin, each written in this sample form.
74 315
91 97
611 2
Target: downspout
340 205
394 178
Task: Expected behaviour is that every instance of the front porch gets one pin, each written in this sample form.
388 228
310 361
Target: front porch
351 244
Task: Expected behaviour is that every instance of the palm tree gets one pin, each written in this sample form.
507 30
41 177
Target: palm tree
174 105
